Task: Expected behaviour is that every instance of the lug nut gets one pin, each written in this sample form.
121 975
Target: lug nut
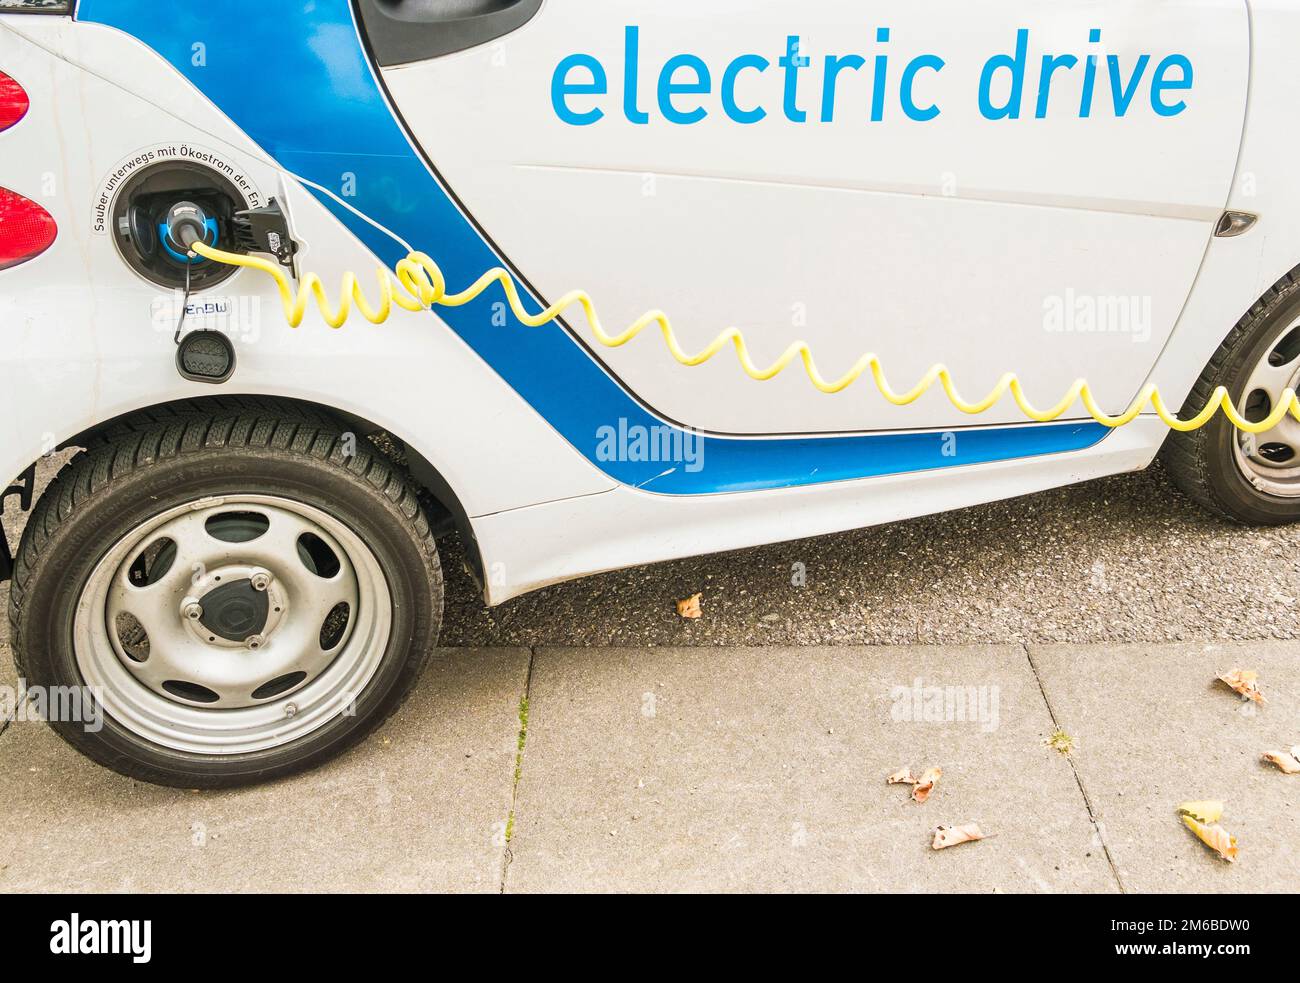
192 609
290 709
261 580
254 642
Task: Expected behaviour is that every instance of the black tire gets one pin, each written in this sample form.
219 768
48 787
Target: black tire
158 460
1203 462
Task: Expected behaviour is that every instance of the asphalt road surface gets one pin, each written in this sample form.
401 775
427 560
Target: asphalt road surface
1121 559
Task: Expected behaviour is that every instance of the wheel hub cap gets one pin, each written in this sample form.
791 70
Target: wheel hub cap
234 611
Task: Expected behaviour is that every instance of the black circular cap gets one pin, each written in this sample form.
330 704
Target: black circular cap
205 356
234 610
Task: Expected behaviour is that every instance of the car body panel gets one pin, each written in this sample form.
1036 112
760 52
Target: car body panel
89 340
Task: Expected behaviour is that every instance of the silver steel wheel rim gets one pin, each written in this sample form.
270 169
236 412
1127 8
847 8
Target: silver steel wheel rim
299 597
1270 461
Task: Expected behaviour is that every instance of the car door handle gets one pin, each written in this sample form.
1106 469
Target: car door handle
402 31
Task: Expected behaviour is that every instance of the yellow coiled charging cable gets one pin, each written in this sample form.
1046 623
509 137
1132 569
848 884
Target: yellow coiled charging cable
420 285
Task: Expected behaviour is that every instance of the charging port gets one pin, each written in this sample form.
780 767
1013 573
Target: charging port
163 210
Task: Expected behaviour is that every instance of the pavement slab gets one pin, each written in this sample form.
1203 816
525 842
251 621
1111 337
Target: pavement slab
1153 728
764 769
422 805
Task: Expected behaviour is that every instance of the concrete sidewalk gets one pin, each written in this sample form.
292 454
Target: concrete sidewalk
718 769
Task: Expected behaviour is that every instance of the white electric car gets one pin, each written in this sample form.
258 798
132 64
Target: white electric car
240 566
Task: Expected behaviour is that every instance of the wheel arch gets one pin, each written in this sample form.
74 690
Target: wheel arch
442 505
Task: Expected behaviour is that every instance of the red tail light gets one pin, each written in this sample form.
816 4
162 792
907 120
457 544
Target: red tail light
13 102
26 229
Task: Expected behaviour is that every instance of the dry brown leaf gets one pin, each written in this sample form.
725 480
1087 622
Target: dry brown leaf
1244 682
946 836
903 776
690 607
1207 811
926 784
1215 837
1285 761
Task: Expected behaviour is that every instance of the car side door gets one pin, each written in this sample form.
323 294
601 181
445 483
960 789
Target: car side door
1004 186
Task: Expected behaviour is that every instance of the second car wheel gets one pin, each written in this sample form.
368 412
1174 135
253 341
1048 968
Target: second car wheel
243 593
1252 478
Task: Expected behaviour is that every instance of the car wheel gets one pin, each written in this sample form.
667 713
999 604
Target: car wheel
1251 478
238 594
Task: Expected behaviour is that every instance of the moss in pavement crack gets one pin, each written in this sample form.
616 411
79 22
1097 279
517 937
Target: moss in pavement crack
519 762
